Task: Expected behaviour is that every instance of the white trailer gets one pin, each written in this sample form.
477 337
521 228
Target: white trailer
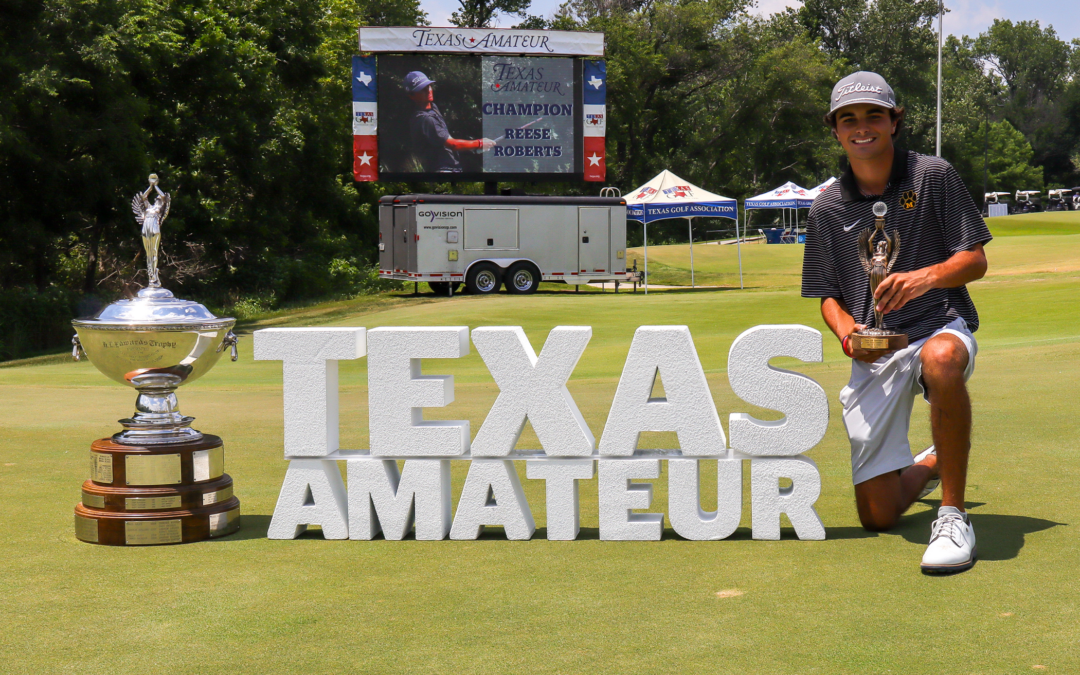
515 241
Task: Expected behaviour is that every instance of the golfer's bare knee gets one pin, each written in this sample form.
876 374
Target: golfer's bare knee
944 359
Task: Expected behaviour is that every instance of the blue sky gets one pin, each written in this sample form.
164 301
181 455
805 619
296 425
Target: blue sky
966 17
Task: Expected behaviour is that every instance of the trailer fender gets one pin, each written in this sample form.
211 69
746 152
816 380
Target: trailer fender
503 262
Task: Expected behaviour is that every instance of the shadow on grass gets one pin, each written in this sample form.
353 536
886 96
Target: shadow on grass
1000 536
251 527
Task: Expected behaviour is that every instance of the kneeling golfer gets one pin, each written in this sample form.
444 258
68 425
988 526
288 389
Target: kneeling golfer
941 249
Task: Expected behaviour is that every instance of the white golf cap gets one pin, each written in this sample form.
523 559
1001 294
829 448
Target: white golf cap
862 87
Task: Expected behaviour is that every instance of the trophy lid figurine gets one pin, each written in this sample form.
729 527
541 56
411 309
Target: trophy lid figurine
878 258
158 481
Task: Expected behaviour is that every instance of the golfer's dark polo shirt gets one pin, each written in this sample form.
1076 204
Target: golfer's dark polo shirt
934 214
429 134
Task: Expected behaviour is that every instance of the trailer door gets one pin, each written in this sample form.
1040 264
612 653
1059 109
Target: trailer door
594 231
401 238
386 237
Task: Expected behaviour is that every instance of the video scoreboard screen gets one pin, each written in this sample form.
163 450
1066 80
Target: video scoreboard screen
478 117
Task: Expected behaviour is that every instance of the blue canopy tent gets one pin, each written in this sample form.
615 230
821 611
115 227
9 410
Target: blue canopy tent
787 196
668 196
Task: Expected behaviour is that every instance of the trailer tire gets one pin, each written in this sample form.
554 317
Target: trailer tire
522 278
483 278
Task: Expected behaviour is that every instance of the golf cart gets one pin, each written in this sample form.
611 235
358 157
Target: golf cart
996 204
1028 201
1075 198
1059 200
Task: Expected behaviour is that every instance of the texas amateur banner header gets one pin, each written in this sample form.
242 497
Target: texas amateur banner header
432 39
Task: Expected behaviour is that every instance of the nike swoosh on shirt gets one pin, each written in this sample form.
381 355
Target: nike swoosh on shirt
848 228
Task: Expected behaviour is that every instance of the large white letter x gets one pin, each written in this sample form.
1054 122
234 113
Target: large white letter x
533 388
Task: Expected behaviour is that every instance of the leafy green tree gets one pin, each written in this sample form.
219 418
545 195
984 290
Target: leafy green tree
1009 158
1033 65
239 105
971 99
482 13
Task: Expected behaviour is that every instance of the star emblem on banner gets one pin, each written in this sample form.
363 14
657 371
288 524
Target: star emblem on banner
594 159
595 82
364 78
365 159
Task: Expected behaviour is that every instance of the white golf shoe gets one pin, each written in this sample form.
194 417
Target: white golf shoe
952 543
933 483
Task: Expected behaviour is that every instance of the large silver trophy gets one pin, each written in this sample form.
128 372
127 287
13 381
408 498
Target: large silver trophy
154 342
878 256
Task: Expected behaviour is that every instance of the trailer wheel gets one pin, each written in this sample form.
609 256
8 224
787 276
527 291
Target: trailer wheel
522 278
483 278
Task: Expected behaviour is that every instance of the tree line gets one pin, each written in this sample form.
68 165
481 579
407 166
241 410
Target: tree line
242 108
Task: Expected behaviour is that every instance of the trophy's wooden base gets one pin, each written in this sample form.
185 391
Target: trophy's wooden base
157 527
171 493
120 465
127 499
879 342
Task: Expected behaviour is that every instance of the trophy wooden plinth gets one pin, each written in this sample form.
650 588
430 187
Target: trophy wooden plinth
879 341
128 499
119 465
150 528
171 493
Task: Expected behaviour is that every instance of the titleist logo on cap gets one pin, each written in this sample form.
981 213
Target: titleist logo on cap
857 87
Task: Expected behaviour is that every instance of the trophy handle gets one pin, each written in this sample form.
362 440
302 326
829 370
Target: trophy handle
77 350
231 340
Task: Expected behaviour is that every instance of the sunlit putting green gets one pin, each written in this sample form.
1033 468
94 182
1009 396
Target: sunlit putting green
854 603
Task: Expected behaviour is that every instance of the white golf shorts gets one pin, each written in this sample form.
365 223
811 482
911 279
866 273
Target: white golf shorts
878 401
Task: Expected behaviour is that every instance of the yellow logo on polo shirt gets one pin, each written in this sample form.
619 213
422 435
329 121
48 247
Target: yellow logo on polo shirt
909 199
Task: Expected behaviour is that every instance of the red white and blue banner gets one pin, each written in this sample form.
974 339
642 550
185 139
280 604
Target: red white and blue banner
365 119
594 127
451 40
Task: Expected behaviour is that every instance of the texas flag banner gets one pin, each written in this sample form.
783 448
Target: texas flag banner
594 129
365 119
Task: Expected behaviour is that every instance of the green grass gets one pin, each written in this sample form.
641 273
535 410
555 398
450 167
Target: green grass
766 266
854 603
1054 222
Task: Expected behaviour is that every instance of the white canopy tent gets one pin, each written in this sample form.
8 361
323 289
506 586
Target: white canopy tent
815 191
668 196
787 196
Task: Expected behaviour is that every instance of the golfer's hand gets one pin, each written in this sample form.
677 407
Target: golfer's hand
899 289
486 144
867 355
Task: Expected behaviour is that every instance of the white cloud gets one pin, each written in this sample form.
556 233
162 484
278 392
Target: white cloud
971 17
439 11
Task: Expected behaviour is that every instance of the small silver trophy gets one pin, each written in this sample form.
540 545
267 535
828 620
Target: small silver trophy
878 258
154 342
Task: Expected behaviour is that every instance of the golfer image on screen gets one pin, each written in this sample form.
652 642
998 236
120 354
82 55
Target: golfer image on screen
431 141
